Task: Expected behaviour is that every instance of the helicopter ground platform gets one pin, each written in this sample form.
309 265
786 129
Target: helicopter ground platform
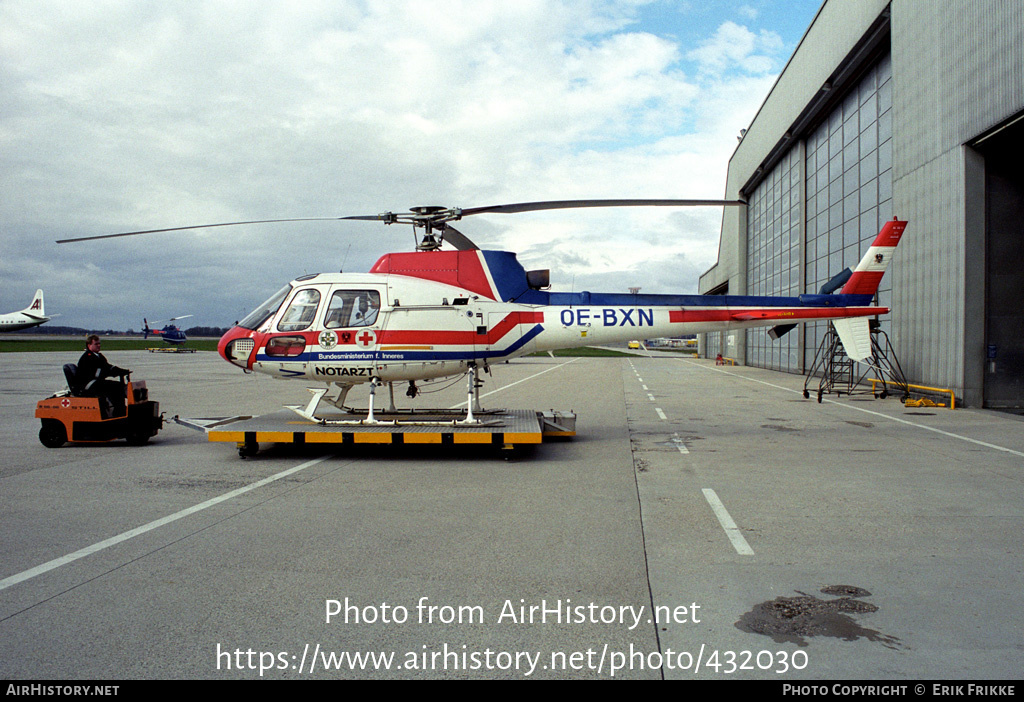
502 429
170 349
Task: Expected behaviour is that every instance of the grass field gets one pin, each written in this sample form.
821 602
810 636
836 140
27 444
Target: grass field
73 345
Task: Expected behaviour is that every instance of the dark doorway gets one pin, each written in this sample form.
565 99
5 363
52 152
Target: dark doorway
1004 274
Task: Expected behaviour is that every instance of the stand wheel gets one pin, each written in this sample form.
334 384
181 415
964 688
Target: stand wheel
819 397
248 449
807 395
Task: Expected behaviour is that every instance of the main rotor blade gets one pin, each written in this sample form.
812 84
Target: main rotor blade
573 204
457 239
199 226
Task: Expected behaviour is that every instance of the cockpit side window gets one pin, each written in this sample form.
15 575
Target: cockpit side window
255 319
301 311
352 308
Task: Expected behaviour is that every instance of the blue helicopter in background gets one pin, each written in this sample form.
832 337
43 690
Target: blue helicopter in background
170 333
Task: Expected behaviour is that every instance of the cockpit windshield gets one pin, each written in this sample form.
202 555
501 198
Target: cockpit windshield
255 319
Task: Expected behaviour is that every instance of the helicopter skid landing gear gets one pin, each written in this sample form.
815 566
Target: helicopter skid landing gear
468 419
309 411
473 401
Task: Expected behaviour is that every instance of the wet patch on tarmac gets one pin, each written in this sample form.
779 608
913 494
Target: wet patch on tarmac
866 425
188 483
795 619
778 427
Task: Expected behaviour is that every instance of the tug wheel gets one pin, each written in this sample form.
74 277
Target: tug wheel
53 434
140 438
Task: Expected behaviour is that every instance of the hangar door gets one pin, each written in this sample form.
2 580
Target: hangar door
1004 283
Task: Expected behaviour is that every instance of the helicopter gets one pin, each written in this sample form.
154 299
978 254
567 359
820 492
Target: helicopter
170 333
434 313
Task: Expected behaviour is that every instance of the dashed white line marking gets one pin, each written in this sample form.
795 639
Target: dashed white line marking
680 444
731 530
661 414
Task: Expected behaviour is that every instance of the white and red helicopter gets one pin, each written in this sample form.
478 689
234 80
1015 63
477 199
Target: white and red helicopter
433 313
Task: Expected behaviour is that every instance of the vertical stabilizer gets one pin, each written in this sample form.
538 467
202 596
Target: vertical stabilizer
36 309
869 271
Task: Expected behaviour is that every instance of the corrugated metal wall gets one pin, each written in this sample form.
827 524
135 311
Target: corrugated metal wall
958 71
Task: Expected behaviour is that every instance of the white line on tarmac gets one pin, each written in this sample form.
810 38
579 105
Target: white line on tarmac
156 524
680 444
731 530
872 412
522 380
661 414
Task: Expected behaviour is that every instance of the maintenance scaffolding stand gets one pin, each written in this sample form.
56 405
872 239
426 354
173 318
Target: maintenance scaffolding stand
837 374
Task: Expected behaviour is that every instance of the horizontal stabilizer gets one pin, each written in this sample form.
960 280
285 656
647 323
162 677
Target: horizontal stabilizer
838 281
855 333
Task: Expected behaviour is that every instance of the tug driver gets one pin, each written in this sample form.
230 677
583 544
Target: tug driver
93 369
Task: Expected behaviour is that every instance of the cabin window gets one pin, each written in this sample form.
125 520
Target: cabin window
301 311
352 308
286 346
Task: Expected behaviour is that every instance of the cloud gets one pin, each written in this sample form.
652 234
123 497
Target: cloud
122 116
734 46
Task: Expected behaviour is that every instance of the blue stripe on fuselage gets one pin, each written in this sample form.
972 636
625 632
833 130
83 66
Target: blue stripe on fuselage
510 280
589 299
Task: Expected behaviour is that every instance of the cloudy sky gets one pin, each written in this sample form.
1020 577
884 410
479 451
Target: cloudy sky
128 115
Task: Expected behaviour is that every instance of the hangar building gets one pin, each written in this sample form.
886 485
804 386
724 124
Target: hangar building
906 108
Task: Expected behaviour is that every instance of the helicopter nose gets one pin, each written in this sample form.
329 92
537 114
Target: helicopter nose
237 347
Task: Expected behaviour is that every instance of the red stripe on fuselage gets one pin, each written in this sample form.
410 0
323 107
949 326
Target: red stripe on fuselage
460 338
754 314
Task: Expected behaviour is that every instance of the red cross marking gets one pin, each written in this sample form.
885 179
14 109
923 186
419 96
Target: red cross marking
366 338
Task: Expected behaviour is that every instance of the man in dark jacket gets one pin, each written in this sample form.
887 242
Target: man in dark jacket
93 371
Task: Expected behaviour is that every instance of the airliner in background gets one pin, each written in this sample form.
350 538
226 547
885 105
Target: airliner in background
31 316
